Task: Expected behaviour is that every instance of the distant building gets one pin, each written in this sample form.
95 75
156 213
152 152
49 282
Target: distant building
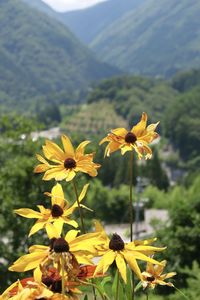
48 134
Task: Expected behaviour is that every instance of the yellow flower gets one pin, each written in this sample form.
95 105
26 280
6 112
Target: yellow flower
73 249
115 249
153 275
58 214
136 139
66 163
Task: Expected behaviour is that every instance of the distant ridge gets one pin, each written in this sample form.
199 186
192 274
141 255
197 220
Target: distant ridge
40 56
89 22
159 38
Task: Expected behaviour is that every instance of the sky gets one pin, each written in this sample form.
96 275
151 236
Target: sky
65 5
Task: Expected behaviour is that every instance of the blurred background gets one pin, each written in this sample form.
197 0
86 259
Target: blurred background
82 68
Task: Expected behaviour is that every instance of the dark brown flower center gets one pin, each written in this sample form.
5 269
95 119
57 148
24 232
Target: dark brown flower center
56 211
60 245
52 243
57 286
150 278
48 281
69 163
130 138
116 243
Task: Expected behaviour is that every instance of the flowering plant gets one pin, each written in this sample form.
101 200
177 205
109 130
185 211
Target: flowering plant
77 258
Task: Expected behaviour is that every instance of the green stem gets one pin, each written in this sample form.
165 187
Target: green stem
131 196
63 275
131 210
79 207
147 295
93 291
94 286
117 288
186 297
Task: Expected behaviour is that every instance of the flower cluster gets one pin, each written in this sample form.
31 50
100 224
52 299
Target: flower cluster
67 262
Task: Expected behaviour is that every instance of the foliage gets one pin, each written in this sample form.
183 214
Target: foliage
184 82
133 94
108 204
182 234
184 113
18 185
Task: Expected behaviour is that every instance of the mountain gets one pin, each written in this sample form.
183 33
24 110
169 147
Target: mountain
39 56
159 38
87 23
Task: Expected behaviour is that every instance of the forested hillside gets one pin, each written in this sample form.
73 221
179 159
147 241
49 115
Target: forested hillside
88 23
40 56
159 38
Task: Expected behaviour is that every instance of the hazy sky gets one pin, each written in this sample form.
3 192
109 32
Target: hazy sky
64 5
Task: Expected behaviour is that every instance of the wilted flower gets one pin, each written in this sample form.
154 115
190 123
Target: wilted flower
74 250
136 139
153 275
66 163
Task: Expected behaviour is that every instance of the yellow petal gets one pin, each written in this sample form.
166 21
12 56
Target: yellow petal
38 248
52 231
152 127
121 132
70 236
139 129
158 269
28 213
144 248
58 224
70 175
83 192
105 262
41 168
104 140
42 159
37 274
55 151
80 149
141 256
83 259
37 226
121 266
168 275
133 264
55 173
126 148
28 262
57 195
69 149
70 222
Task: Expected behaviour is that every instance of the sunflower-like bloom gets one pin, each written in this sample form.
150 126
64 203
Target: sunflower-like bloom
153 275
67 162
115 249
58 214
74 250
136 139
